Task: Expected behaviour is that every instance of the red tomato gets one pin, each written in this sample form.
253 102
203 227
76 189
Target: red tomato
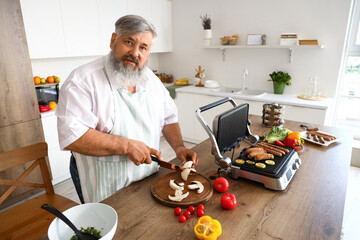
182 218
177 211
200 206
228 201
221 185
187 214
191 209
200 212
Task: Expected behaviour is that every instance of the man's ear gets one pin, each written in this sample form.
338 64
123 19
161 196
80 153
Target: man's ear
113 38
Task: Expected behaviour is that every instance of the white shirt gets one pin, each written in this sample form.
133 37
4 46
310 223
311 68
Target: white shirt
86 101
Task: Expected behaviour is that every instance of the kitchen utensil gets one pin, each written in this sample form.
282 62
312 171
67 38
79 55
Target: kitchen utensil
229 129
168 165
160 190
273 115
98 215
80 235
309 128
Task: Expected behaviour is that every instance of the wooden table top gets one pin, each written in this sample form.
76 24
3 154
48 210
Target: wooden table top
311 207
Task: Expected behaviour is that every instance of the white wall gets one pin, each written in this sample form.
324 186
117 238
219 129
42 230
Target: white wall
324 20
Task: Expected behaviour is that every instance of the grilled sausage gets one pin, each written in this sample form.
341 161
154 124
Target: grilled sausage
273 146
254 153
276 152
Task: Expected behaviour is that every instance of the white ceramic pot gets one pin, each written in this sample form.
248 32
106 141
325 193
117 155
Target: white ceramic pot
207 34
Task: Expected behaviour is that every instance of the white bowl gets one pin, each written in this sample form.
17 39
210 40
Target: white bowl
211 84
98 215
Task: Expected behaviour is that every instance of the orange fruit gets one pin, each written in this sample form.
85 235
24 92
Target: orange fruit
52 105
50 79
37 80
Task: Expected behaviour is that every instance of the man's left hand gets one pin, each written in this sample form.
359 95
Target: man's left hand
185 154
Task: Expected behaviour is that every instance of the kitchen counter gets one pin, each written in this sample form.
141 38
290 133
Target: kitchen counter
286 99
311 207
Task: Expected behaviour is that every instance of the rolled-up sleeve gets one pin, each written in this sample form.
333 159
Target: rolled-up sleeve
74 112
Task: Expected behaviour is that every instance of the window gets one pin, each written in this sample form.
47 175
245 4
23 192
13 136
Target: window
348 98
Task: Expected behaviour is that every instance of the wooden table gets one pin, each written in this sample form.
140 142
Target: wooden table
311 207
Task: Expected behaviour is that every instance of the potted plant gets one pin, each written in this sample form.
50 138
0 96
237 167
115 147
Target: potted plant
206 23
280 79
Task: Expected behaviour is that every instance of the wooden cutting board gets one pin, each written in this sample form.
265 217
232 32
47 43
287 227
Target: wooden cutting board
160 190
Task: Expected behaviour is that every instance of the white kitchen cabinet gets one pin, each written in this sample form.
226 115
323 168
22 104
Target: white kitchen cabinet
193 131
68 28
109 12
161 18
43 27
81 27
59 160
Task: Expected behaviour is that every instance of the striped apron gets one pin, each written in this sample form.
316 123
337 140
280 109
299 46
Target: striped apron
135 118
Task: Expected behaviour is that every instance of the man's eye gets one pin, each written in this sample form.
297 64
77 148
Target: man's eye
129 42
143 48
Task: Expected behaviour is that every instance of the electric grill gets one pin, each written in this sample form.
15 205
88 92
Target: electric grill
232 127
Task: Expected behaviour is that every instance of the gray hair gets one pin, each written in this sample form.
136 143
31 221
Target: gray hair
131 24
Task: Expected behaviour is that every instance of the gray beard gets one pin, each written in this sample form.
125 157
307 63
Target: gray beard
124 74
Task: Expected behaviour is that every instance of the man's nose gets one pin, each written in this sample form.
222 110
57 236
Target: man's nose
135 52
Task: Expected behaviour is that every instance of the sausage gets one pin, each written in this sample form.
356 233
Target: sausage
276 152
321 139
273 146
263 156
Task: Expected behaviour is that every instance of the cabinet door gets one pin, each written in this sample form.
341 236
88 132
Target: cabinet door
43 26
185 104
161 18
81 27
109 12
141 8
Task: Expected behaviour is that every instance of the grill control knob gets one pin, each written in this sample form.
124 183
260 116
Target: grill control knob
296 164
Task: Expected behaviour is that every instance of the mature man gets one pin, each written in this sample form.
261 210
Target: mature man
111 112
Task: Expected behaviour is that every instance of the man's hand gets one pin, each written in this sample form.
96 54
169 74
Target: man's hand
140 153
185 154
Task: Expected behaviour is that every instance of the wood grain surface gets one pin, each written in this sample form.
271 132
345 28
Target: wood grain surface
311 207
20 122
160 190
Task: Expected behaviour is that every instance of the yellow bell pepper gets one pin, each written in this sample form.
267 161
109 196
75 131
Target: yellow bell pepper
207 228
294 135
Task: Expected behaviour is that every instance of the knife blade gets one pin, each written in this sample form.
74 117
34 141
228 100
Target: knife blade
167 165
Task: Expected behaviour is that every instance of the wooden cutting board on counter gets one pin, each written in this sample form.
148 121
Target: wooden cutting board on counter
160 190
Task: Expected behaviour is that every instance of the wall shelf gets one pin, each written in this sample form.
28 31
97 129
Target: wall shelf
289 47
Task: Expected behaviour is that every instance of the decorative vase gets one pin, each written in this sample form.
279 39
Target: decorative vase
207 36
279 88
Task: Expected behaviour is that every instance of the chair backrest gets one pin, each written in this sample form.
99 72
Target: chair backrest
37 153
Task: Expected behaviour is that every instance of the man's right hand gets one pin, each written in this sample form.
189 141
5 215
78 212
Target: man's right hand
139 153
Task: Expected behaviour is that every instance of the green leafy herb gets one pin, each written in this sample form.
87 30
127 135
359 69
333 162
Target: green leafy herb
276 133
93 231
280 77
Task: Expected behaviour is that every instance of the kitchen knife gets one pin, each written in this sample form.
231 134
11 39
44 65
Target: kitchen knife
169 165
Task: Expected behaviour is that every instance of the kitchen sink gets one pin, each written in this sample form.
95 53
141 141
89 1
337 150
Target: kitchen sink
238 91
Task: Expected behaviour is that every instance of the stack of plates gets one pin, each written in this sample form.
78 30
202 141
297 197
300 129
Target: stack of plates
211 84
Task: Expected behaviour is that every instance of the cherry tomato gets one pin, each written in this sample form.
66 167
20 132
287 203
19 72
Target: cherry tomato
177 211
200 212
187 214
191 209
221 185
200 206
182 218
228 201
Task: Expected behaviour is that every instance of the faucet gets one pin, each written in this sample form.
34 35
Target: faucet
245 74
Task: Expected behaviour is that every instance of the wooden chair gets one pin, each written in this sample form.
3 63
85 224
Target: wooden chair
27 220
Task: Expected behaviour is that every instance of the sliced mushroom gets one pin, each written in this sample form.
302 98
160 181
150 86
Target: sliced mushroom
178 196
185 174
175 185
188 164
196 185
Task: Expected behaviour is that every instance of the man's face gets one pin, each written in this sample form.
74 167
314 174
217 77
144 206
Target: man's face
132 50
